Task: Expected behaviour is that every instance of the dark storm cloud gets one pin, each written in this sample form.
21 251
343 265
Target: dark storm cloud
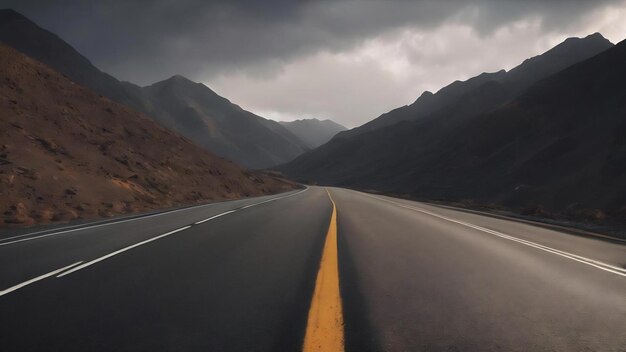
143 41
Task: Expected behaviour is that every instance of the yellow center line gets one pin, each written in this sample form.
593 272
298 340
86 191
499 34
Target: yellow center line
324 330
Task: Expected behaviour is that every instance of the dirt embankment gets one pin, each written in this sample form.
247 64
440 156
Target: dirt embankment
67 153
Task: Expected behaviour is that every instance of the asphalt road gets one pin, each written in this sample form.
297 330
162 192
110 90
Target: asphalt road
241 276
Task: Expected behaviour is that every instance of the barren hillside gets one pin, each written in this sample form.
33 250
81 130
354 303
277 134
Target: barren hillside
67 153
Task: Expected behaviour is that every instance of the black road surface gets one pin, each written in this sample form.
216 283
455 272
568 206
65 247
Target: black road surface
413 277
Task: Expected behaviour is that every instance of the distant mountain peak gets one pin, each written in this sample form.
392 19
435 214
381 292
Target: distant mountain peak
315 119
178 82
595 39
596 35
179 77
489 74
565 54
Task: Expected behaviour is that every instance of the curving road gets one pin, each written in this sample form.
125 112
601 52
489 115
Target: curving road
245 276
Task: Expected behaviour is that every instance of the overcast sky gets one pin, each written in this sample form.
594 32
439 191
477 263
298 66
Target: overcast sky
348 61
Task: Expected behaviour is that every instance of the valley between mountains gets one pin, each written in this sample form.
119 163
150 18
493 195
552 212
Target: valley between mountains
489 215
543 140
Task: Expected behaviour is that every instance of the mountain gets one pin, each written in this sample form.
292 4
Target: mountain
428 103
559 147
22 34
487 91
66 153
192 109
313 132
215 123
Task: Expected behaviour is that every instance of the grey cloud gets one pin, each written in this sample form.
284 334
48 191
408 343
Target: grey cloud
144 41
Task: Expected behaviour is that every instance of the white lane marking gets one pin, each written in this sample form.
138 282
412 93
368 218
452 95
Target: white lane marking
588 261
82 266
115 222
164 235
59 228
213 217
74 228
25 283
249 206
73 267
273 199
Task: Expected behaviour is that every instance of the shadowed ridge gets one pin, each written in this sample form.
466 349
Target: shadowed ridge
427 104
554 149
22 34
215 123
487 91
262 143
69 153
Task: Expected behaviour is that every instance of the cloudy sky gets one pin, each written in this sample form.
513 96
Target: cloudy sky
348 61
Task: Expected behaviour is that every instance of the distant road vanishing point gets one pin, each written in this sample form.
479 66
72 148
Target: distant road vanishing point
337 268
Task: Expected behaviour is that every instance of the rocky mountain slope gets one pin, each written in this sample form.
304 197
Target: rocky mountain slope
67 153
216 124
188 108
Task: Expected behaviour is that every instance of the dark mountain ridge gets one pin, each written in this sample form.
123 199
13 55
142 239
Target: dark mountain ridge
428 103
215 123
559 147
264 144
67 153
22 34
487 91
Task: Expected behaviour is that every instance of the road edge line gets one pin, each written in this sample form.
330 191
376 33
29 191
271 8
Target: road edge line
575 257
73 228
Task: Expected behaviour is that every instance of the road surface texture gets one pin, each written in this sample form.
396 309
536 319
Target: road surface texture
362 273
